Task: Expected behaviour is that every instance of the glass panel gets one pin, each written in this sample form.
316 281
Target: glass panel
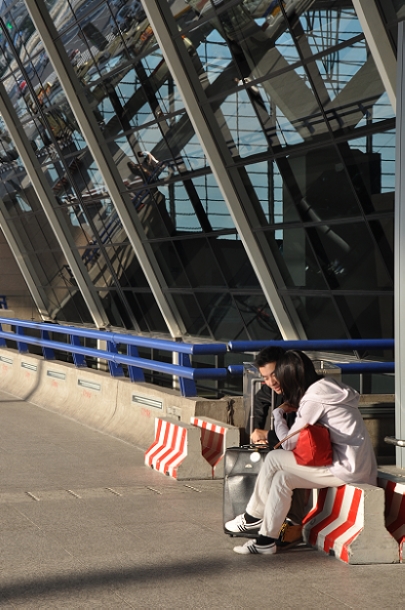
368 317
222 315
320 318
349 257
115 309
191 315
148 313
316 186
372 161
327 26
243 124
258 319
213 203
351 90
383 233
296 260
171 264
40 248
234 262
135 307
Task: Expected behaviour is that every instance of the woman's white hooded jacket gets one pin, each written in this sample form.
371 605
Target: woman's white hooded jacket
335 405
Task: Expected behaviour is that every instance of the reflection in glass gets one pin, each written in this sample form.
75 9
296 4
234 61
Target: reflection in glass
191 314
222 315
296 259
296 98
257 317
368 316
321 318
233 262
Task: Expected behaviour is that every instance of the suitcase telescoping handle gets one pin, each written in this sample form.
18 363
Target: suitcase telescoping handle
289 436
255 382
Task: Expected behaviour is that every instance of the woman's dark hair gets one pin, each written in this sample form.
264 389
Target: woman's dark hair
295 373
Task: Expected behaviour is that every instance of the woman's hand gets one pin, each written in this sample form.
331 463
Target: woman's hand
287 408
259 437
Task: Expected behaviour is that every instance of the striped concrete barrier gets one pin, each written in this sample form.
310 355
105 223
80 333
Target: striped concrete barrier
216 437
176 451
394 509
348 522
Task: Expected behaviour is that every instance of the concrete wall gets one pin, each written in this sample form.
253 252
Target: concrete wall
116 406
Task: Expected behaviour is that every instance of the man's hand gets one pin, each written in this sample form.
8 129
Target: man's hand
259 437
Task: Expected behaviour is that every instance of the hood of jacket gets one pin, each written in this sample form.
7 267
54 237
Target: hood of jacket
329 390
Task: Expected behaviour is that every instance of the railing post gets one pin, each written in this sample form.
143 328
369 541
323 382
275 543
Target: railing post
47 352
2 341
116 369
135 373
187 386
22 347
78 359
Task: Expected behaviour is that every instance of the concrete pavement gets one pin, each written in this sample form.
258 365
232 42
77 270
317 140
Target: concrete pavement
84 524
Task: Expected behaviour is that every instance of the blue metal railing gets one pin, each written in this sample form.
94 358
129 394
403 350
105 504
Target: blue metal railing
313 344
322 344
183 370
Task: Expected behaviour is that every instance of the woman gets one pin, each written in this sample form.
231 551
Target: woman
317 399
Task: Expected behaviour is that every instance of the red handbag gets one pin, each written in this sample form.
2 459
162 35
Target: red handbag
313 448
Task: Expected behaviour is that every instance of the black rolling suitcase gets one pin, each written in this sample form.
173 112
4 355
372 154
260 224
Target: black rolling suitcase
241 467
242 464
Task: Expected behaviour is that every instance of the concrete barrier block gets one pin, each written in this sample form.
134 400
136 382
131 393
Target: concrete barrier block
348 522
228 409
394 507
176 451
216 437
138 404
20 373
8 367
56 387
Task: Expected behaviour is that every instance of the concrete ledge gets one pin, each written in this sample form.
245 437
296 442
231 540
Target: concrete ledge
113 405
348 522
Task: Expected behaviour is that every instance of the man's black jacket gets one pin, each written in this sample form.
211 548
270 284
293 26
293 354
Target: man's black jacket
261 406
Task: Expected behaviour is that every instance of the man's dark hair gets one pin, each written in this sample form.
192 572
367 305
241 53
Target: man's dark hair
268 354
295 372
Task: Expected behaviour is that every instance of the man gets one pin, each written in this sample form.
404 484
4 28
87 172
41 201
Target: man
265 362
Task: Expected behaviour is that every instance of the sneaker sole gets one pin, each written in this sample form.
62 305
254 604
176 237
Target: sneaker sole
285 546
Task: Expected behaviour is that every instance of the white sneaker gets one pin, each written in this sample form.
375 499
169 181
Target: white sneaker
250 547
239 524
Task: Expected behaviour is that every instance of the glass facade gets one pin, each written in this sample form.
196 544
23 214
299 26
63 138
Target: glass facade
300 117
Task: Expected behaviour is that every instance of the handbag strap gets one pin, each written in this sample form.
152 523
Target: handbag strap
289 436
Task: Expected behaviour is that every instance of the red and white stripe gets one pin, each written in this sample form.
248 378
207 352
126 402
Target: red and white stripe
336 520
394 508
212 440
169 448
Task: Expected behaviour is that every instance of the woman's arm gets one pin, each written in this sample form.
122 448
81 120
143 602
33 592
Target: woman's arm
308 413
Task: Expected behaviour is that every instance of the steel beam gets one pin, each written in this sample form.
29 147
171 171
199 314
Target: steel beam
90 130
222 165
24 264
400 251
50 207
379 44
